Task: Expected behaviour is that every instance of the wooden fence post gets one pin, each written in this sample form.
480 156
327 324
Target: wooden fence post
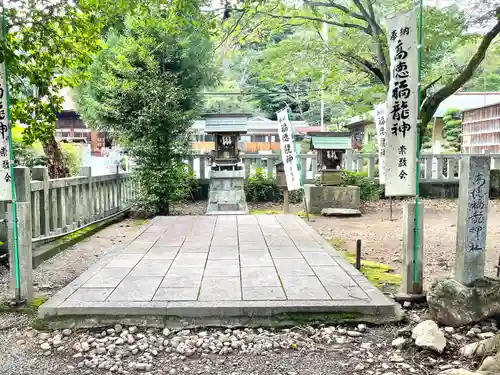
88 209
24 246
42 174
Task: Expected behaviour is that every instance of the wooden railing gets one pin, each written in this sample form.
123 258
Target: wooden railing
62 205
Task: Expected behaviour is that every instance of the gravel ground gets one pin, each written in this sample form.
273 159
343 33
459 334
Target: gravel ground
332 350
320 350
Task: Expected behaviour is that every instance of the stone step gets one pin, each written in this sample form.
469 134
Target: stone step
340 212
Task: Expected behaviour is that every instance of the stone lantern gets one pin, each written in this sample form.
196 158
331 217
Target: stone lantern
227 195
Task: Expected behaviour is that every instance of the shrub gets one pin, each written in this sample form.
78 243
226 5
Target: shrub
258 188
369 188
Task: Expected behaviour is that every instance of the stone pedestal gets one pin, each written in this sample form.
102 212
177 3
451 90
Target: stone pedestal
473 200
227 193
320 197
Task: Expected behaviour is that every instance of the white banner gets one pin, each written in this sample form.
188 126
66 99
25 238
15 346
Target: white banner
288 153
402 111
5 177
380 119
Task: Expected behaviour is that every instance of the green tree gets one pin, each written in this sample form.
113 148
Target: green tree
50 44
357 39
453 129
145 88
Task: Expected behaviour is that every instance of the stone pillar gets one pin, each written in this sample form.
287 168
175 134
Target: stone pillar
348 160
371 166
24 246
473 199
23 187
88 196
409 286
42 174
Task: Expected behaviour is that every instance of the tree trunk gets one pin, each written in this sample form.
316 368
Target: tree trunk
56 164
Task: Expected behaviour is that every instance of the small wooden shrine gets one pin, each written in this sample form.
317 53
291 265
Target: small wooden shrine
226 129
330 148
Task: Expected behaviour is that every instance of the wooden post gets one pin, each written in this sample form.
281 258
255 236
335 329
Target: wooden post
286 201
42 174
25 252
88 194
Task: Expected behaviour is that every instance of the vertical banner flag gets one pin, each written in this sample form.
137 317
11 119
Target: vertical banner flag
288 153
5 177
380 117
402 107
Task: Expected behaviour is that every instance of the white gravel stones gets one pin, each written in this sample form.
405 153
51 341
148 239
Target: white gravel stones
166 332
427 335
85 346
66 332
399 342
45 346
354 334
44 336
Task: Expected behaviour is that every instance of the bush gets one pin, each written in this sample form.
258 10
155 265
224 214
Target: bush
258 188
72 154
369 188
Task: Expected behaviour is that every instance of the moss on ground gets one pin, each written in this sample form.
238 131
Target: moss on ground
338 243
140 222
301 214
379 274
265 212
30 308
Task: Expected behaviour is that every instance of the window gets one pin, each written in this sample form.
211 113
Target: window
246 138
260 138
209 138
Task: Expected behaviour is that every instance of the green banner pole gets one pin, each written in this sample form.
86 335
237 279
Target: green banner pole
419 124
11 169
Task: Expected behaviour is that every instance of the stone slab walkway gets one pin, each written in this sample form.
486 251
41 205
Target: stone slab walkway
222 270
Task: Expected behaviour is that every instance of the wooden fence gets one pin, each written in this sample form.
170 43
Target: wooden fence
433 167
63 205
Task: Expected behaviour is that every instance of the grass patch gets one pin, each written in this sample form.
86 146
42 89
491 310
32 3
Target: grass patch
31 308
338 243
140 222
379 274
265 212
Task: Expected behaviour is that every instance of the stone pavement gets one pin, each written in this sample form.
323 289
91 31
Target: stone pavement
222 270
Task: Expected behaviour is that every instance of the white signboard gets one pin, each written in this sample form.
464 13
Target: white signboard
288 153
380 116
402 111
5 177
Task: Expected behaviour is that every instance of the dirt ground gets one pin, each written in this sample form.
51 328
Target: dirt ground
382 238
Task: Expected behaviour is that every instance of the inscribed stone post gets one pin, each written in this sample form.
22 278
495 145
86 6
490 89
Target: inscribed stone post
472 218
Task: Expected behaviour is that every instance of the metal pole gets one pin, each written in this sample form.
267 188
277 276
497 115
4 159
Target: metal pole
419 123
358 254
15 247
390 208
